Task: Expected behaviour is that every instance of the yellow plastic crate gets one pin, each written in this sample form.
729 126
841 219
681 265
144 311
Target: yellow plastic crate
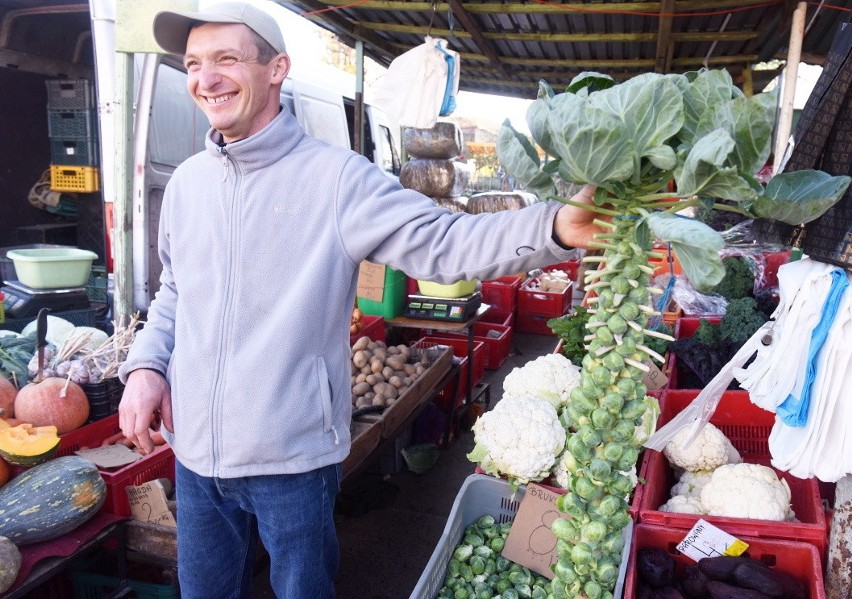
74 178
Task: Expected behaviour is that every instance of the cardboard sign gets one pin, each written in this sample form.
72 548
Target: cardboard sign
371 281
705 540
531 543
109 456
148 503
654 379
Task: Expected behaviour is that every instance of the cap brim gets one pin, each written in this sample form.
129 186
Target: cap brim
171 28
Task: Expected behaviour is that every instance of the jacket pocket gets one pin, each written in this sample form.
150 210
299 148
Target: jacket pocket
324 386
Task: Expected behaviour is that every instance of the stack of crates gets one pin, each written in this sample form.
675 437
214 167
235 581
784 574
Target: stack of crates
72 126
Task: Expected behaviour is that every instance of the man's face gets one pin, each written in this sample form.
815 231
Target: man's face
239 95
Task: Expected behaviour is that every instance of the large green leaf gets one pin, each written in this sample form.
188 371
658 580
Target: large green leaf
537 113
696 245
593 144
704 172
651 108
799 197
589 81
749 121
520 159
708 89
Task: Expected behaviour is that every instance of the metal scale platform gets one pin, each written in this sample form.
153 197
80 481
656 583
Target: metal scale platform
23 301
456 309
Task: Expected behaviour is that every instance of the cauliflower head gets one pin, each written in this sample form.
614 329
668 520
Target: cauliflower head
681 504
551 377
747 491
520 438
710 449
691 484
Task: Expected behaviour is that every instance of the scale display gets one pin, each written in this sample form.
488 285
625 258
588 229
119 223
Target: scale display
22 301
456 309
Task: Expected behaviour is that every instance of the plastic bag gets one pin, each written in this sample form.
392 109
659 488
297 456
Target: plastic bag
414 88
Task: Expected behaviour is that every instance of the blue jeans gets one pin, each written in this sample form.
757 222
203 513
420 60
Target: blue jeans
219 520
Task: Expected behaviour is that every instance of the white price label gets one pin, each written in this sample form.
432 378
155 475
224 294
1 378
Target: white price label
706 540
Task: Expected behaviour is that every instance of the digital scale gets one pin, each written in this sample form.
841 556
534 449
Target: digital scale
452 309
23 301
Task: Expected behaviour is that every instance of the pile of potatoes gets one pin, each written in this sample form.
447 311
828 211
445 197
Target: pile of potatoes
381 374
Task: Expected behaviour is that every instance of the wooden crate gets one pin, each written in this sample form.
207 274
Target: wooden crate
366 436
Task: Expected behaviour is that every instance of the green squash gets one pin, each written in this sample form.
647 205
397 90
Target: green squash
50 500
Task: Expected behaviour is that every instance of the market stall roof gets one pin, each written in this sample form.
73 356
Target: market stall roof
507 46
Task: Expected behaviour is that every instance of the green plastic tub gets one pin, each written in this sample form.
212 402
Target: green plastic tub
50 268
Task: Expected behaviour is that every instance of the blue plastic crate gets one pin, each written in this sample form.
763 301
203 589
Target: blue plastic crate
73 152
71 124
70 94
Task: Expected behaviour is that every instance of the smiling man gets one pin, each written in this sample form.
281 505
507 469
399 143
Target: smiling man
245 356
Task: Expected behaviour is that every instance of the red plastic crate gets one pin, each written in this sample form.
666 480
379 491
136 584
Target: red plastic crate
499 316
158 464
374 328
501 293
800 560
684 327
572 268
543 303
496 339
773 261
444 398
533 323
459 347
748 428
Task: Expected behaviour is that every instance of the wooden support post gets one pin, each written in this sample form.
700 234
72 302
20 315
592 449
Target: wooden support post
791 72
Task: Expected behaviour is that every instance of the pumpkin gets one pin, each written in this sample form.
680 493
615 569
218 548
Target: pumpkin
28 445
8 391
53 402
10 563
50 500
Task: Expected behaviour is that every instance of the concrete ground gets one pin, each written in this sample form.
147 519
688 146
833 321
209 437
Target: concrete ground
389 524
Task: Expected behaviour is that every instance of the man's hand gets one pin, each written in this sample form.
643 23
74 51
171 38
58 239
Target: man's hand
573 226
146 397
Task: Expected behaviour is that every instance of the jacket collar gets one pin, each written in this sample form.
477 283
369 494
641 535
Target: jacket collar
262 149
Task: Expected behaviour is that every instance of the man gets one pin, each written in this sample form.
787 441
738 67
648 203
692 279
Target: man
245 354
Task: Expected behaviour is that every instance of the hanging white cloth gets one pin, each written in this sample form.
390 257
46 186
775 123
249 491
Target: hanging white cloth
414 88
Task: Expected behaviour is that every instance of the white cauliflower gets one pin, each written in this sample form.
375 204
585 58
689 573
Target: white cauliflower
691 484
681 504
520 438
551 377
747 491
708 450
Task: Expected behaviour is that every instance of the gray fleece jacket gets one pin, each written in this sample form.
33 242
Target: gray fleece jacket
260 241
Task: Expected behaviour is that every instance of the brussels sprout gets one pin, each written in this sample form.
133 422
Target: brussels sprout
592 589
638 296
503 585
524 590
454 566
497 544
606 571
606 298
619 520
576 415
587 489
581 399
571 503
589 436
538 592
613 361
600 470
641 390
611 504
631 270
602 418
582 553
483 551
473 539
521 576
505 527
604 335
486 521
463 553
466 572
483 591
623 430
600 375
612 402
564 570
502 564
613 450
509 593
594 531
628 458
562 529
626 386
619 284
617 324
613 543
477 565
633 410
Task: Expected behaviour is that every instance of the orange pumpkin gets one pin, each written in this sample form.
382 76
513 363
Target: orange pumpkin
53 402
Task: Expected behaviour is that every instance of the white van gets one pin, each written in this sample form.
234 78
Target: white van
49 40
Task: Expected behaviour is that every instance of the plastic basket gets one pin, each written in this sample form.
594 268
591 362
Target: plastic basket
79 318
460 348
374 328
572 268
748 428
797 559
499 316
501 293
479 495
69 177
74 152
158 464
104 398
71 124
496 339
543 303
534 323
69 94
90 582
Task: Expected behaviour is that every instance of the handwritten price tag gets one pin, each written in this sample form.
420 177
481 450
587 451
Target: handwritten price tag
706 540
148 503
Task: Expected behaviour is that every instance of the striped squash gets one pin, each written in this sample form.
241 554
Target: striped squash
50 500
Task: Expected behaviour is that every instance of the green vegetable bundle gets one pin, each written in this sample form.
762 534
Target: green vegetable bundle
695 133
478 571
15 354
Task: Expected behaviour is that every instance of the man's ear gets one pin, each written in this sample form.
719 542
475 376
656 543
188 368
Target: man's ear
280 67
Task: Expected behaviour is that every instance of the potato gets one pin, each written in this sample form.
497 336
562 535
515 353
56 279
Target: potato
378 400
380 353
363 402
395 362
408 369
361 388
376 365
387 372
395 381
361 358
361 343
374 378
367 370
360 378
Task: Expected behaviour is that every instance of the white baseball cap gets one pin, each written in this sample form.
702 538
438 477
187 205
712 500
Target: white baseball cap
171 28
